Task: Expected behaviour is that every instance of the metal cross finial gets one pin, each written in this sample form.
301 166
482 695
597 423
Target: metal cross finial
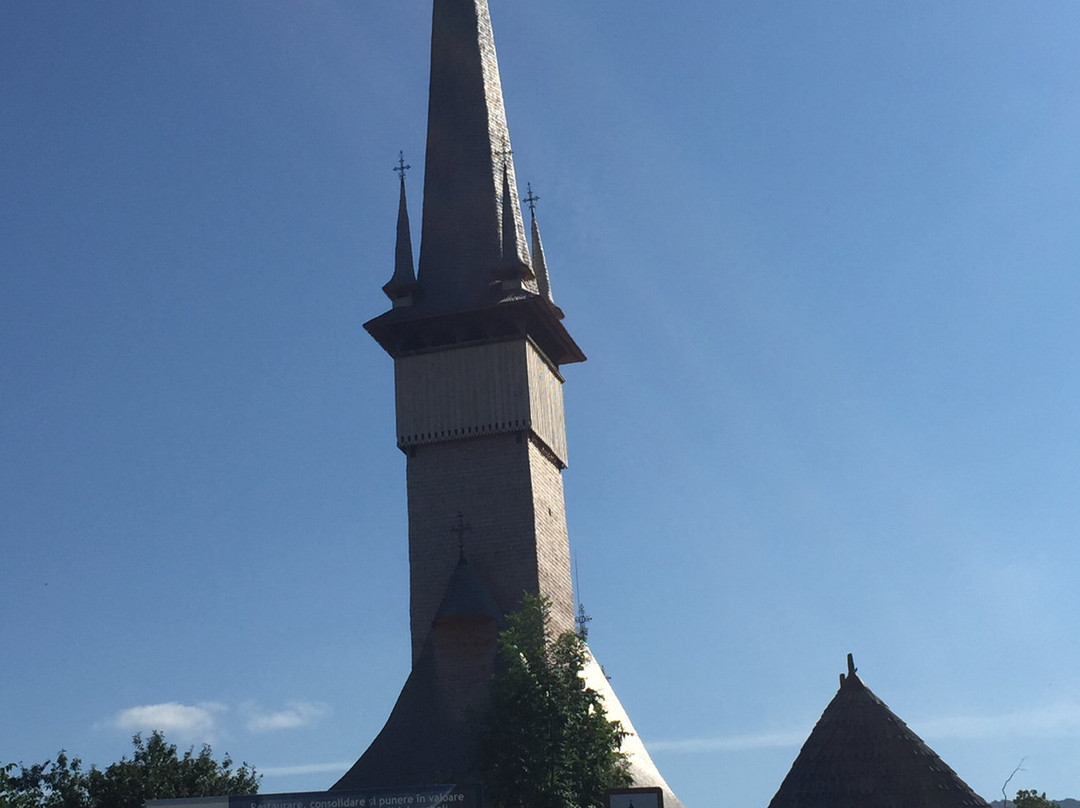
531 199
505 152
401 167
582 621
459 528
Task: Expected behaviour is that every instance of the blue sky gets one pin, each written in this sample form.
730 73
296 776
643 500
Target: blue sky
825 262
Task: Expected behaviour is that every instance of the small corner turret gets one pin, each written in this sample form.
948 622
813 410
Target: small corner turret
540 269
515 260
402 285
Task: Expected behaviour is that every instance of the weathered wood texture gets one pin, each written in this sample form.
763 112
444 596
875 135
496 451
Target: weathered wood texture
480 390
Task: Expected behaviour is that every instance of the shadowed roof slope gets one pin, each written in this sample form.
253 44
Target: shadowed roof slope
861 755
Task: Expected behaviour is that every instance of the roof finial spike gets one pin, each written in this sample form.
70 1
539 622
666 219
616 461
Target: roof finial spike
531 199
401 167
401 285
851 665
582 620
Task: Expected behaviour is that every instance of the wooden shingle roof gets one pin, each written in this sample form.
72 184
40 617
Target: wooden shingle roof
861 755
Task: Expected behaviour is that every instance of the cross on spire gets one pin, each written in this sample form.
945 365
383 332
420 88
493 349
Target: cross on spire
531 199
582 620
401 167
459 528
505 152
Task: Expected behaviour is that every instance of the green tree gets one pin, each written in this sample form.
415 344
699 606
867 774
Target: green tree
9 796
59 783
155 771
1033 799
547 741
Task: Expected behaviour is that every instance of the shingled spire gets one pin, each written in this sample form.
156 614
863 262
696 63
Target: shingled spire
468 161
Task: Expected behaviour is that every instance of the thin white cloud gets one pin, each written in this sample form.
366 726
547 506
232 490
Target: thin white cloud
1060 720
187 721
297 714
732 743
308 768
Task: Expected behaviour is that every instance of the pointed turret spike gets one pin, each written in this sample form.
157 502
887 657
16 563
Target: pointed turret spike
851 665
543 281
515 261
401 286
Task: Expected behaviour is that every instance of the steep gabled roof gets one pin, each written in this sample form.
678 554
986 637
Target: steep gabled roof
861 755
467 597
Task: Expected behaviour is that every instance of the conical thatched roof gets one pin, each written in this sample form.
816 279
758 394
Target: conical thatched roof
860 755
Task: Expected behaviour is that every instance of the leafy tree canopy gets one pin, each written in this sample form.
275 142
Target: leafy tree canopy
1032 799
547 741
156 771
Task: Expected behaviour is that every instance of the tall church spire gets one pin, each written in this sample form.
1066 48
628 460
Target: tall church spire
468 161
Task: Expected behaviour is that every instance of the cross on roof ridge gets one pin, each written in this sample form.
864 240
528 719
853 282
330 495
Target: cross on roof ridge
459 528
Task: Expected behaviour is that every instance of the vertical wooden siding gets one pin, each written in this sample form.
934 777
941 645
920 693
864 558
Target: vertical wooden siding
479 390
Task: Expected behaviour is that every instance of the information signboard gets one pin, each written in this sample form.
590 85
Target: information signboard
443 796
646 797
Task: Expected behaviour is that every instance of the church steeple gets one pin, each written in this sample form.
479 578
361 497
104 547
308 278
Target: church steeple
478 347
474 281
